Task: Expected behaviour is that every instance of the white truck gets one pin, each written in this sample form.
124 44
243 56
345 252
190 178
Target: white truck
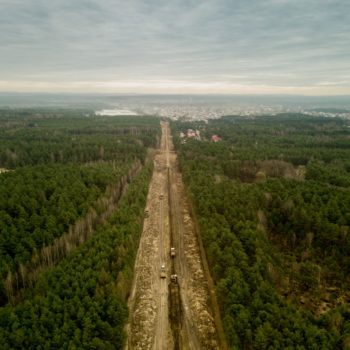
162 271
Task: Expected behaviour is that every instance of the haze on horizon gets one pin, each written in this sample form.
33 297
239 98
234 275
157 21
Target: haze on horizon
221 46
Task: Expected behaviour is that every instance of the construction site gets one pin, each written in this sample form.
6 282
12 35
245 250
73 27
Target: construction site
172 302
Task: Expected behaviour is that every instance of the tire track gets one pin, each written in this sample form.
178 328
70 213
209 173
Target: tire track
169 221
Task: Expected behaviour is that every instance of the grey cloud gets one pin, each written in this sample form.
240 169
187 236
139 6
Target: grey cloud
276 42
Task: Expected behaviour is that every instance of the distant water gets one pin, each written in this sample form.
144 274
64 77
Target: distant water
111 112
136 102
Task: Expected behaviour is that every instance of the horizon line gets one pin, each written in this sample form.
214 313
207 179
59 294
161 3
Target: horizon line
126 93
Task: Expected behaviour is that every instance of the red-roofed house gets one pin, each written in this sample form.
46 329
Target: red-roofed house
216 138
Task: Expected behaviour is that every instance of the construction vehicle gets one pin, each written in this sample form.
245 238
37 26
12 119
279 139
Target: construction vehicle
172 252
162 271
161 196
146 214
173 278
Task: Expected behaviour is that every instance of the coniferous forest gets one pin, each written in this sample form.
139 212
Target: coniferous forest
272 202
72 193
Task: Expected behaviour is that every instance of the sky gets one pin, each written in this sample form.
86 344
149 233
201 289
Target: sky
178 46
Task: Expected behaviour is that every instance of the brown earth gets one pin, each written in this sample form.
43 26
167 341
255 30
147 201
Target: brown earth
169 223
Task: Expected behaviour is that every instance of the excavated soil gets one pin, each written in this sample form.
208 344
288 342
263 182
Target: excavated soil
168 222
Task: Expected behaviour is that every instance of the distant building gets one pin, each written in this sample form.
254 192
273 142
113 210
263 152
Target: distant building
216 138
191 133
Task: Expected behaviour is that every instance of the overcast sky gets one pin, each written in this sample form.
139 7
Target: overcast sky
216 46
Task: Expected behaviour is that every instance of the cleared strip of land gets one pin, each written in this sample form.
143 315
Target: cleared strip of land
154 324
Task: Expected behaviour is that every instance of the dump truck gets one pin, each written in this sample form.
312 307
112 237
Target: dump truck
172 252
173 278
162 271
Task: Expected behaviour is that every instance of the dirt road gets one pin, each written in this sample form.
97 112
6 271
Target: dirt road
168 223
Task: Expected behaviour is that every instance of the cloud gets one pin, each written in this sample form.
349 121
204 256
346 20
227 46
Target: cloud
273 43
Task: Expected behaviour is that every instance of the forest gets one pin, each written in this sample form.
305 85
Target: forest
34 137
272 202
73 188
81 302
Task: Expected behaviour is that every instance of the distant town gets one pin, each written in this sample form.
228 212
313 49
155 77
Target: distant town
183 107
195 112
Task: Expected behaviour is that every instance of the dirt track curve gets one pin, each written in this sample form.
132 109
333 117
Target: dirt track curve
165 315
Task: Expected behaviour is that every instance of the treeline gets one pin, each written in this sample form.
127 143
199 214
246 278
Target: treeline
81 303
65 137
272 202
295 139
39 204
27 272
69 169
